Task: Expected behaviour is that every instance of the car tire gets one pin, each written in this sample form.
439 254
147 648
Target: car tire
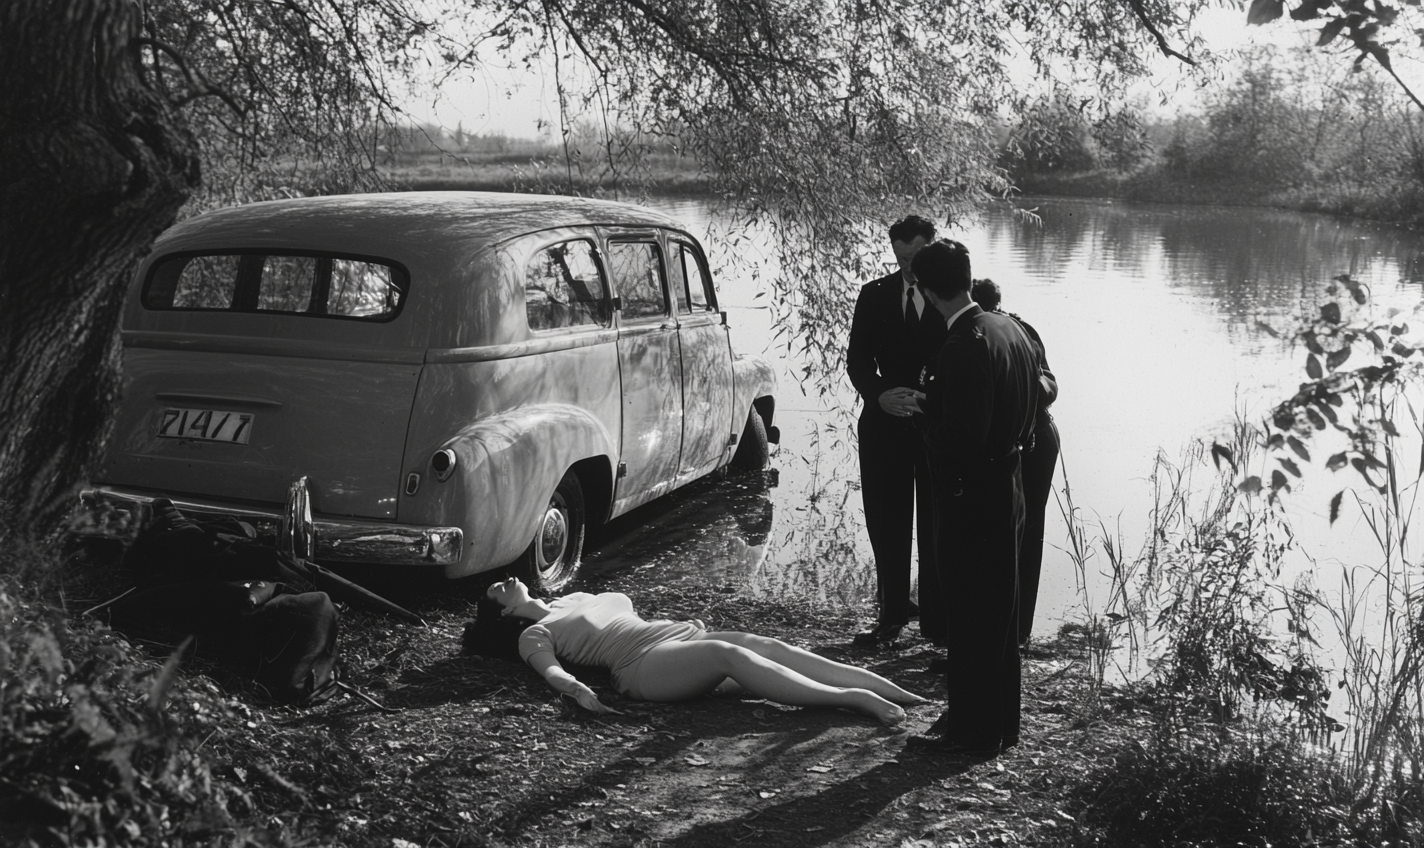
753 450
554 554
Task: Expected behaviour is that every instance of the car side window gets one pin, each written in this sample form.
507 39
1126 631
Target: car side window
695 283
638 273
563 287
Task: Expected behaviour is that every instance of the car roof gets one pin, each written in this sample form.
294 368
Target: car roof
395 223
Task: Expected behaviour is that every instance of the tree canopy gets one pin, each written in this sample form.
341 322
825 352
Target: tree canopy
1368 31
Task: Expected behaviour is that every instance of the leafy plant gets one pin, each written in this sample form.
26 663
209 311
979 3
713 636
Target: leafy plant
88 753
1356 411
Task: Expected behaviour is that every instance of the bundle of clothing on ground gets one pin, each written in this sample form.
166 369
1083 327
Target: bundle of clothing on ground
237 599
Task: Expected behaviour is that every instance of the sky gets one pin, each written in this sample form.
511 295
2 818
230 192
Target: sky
522 103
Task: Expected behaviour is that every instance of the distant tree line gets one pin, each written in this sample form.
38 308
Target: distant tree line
1286 127
400 144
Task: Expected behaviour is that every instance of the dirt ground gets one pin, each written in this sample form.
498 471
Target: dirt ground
480 752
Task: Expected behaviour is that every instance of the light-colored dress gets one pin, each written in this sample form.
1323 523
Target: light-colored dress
602 630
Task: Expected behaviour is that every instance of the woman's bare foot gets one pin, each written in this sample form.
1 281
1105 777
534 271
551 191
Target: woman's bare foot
890 692
891 715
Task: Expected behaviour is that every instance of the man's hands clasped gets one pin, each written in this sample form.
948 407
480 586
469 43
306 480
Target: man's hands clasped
901 402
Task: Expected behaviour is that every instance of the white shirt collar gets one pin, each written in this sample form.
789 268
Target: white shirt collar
949 322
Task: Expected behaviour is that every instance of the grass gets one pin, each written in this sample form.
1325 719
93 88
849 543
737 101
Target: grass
1221 788
100 742
1394 202
1241 745
543 168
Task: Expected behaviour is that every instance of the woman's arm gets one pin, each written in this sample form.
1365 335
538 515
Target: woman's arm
564 683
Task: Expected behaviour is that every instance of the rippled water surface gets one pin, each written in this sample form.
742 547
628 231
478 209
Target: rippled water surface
1151 316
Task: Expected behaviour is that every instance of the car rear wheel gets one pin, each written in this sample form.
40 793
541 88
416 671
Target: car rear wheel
553 555
753 451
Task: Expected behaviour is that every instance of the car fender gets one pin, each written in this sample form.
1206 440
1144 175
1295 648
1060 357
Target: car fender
752 378
507 466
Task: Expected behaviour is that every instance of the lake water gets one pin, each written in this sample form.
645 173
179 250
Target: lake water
1151 318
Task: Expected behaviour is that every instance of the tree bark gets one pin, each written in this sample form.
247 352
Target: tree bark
95 165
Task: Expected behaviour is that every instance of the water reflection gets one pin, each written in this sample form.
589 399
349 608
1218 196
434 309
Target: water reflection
1151 317
1250 262
712 532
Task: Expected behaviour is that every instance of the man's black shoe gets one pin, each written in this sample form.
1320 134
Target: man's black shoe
938 665
945 748
941 728
881 635
967 750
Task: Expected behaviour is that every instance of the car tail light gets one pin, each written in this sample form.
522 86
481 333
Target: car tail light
442 462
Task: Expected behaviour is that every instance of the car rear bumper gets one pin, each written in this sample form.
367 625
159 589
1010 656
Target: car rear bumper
116 512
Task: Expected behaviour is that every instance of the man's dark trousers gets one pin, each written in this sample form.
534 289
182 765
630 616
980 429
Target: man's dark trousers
980 519
1037 470
895 489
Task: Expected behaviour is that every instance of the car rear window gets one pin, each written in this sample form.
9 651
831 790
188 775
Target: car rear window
300 284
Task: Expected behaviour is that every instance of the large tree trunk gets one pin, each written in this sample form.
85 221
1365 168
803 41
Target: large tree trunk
93 166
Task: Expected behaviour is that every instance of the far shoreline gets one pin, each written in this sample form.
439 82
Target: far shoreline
665 178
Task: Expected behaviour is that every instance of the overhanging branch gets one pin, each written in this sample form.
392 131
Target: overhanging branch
198 85
1142 16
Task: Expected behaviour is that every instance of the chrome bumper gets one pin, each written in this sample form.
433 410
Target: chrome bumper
111 512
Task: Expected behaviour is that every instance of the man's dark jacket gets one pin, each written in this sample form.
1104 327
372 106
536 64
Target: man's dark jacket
885 352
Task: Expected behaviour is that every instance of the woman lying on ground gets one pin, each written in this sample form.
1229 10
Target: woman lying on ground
667 660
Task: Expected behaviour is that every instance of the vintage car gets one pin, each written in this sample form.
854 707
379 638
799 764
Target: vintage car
452 382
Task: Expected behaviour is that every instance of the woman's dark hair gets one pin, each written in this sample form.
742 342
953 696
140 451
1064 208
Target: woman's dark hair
986 293
493 634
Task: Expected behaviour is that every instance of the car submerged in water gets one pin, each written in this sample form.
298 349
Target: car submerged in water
452 382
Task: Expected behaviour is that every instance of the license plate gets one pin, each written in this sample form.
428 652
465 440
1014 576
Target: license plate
212 425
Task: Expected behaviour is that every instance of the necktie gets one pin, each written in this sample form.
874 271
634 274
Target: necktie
912 312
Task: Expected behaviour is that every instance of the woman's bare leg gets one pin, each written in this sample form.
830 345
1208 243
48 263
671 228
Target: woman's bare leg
817 667
676 671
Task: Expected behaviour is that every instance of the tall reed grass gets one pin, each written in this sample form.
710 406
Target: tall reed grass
1279 713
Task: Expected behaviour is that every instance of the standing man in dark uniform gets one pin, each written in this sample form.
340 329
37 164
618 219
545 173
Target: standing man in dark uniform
980 407
1037 461
893 336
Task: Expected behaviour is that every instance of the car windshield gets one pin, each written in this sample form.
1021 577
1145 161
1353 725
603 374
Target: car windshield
326 286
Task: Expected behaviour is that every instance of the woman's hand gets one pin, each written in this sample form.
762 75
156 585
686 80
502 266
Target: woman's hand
566 684
590 702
